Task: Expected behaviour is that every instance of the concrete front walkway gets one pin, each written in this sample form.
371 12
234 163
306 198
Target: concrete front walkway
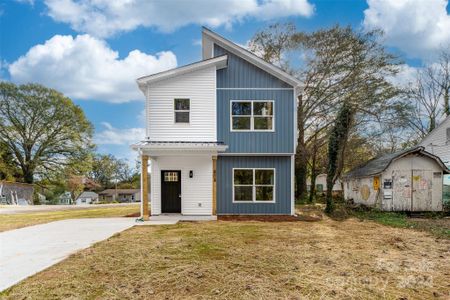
26 251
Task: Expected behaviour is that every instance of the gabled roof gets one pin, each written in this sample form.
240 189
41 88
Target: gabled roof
210 38
380 164
88 195
446 122
219 62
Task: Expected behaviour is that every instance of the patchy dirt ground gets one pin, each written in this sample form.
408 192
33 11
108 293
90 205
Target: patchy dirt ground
327 259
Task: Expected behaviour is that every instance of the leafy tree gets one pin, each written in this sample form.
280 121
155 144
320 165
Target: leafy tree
107 170
42 129
336 65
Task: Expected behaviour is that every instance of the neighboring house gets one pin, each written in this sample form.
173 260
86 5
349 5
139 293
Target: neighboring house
87 198
120 195
16 193
321 184
221 135
409 180
437 142
65 198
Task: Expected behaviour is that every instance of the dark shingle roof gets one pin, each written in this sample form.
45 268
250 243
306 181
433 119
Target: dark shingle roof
379 164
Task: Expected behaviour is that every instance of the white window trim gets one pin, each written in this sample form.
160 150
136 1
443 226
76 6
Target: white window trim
252 117
254 185
183 110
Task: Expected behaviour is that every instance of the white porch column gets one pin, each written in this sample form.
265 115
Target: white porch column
144 187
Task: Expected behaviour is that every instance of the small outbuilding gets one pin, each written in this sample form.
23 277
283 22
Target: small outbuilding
409 180
16 193
321 185
87 198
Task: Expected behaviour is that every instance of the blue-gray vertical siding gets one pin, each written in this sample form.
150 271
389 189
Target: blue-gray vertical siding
279 141
282 205
241 80
241 74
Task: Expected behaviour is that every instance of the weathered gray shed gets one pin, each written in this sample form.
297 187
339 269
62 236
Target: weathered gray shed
409 180
16 193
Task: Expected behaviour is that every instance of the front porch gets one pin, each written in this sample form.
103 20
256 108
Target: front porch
183 180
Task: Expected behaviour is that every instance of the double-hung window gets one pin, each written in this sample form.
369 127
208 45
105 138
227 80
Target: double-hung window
252 115
253 185
182 110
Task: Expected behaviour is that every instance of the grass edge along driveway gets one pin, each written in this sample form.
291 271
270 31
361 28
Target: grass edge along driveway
19 220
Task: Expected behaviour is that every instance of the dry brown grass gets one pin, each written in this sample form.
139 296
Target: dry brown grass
252 260
14 221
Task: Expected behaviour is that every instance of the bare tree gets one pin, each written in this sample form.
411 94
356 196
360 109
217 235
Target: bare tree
430 94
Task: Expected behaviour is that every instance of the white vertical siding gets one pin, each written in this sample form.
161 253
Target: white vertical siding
436 142
196 192
200 88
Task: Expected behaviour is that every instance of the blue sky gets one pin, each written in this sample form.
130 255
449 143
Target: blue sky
94 50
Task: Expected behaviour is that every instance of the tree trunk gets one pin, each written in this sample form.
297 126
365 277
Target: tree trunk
28 175
301 158
446 103
337 142
432 124
312 190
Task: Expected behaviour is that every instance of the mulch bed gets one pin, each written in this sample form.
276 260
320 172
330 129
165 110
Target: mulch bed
267 218
133 215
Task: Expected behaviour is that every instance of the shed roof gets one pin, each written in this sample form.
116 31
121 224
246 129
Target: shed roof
379 164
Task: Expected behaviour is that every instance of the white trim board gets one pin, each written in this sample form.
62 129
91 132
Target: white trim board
246 55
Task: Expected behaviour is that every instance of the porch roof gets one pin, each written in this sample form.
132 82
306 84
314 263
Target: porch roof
168 147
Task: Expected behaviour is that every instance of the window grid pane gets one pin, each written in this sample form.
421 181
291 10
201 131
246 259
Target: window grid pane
253 185
181 117
254 115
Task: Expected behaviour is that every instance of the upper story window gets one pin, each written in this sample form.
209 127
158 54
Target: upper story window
182 110
252 115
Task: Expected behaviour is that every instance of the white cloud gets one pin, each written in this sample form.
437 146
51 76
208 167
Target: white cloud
86 68
103 18
116 136
417 27
405 76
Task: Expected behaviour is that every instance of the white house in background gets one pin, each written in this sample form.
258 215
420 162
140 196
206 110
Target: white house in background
321 184
87 198
437 142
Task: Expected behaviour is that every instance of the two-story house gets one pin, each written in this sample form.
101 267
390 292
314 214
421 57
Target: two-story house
437 142
221 135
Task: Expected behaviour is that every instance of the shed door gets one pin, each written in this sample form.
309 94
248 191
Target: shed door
422 192
401 195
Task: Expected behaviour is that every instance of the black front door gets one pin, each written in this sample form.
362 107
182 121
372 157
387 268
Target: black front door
171 191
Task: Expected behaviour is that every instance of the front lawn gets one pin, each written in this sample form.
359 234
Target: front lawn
348 259
14 221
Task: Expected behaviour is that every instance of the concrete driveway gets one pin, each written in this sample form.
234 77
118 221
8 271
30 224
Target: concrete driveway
26 251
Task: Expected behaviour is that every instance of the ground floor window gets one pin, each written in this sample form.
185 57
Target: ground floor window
253 185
